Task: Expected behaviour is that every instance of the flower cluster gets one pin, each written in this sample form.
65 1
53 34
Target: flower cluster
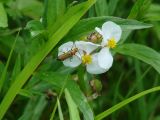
96 57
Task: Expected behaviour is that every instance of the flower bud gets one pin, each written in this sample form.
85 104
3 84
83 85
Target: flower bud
96 85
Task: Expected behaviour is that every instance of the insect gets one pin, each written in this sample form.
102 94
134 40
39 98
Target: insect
94 37
68 54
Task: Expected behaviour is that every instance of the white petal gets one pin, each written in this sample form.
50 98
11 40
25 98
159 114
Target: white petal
99 30
111 30
65 47
88 47
105 58
72 62
94 67
104 42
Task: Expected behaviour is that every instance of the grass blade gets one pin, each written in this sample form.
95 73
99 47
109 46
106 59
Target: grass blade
125 102
60 94
101 8
73 111
139 9
3 19
60 110
53 10
3 77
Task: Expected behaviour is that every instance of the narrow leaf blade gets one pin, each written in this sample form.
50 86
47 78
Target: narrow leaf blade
125 102
60 110
3 18
73 111
142 53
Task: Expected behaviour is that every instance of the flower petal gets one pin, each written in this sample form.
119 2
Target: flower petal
72 62
104 42
94 67
105 58
88 47
65 47
111 30
99 30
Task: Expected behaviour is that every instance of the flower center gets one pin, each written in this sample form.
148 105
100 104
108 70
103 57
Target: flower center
111 43
86 59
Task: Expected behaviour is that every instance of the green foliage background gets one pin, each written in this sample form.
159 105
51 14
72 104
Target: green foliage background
32 30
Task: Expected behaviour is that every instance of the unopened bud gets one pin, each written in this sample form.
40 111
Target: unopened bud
96 85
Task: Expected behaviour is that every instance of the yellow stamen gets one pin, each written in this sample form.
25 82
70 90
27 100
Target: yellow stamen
111 43
86 59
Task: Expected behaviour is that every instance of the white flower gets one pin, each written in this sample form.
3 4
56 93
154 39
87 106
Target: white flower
89 59
86 56
73 61
111 33
77 58
84 52
105 59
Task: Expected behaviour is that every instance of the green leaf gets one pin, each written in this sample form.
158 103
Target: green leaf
16 69
34 44
53 10
101 8
60 110
153 13
25 93
80 100
60 94
85 26
112 6
72 11
125 102
139 9
3 18
1 68
142 53
34 108
7 41
73 111
40 55
157 118
4 73
57 81
35 27
4 1
31 8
